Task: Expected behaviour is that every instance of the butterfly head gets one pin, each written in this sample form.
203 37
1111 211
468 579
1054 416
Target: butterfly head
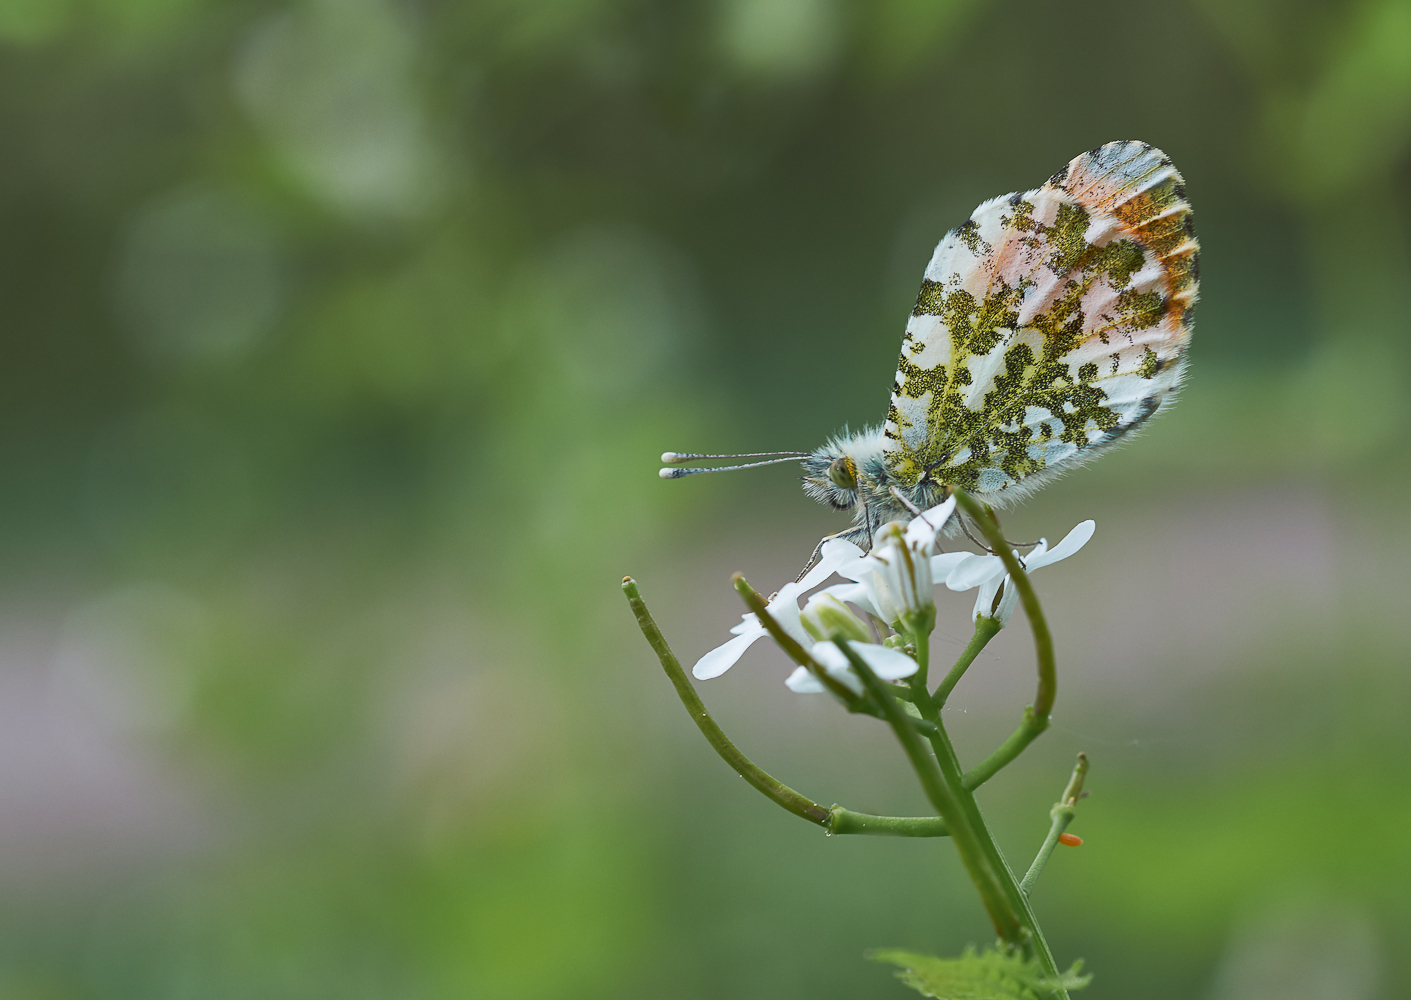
847 469
832 479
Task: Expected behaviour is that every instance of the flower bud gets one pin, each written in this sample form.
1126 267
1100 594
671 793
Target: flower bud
825 617
902 578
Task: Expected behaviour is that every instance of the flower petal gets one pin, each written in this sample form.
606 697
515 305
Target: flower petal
804 682
985 599
787 615
835 552
787 594
1072 542
858 569
921 532
943 564
923 527
832 659
1007 603
888 664
975 571
722 658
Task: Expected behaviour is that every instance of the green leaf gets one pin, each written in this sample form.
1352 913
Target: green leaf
987 975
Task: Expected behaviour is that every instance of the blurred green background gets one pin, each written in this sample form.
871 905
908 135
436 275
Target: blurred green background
340 339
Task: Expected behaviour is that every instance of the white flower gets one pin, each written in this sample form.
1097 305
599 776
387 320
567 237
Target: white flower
888 664
784 609
893 582
988 573
896 579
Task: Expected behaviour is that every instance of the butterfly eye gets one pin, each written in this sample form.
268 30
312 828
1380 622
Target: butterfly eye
843 472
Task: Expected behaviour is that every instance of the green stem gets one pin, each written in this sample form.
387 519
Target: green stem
836 820
985 630
1036 716
920 697
1060 816
1027 732
1061 819
917 627
921 640
1031 939
945 798
1005 902
904 693
847 821
794 802
925 727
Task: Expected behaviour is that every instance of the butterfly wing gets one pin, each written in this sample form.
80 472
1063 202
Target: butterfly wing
1049 325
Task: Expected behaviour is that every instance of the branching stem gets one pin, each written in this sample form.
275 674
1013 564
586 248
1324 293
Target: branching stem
943 799
940 778
950 791
1060 816
837 820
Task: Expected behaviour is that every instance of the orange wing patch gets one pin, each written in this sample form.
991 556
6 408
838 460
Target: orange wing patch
1136 183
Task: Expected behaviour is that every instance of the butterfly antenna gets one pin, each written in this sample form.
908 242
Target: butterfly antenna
669 457
677 457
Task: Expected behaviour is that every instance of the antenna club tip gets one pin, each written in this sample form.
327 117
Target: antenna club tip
669 473
671 457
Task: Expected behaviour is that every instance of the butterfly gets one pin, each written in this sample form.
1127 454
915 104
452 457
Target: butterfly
1049 326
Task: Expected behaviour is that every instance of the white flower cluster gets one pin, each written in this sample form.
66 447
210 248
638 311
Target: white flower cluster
895 583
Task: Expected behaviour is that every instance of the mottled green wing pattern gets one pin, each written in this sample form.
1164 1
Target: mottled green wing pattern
1049 325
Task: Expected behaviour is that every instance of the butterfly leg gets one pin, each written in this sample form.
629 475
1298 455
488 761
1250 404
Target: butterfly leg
915 510
1014 545
961 521
847 535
